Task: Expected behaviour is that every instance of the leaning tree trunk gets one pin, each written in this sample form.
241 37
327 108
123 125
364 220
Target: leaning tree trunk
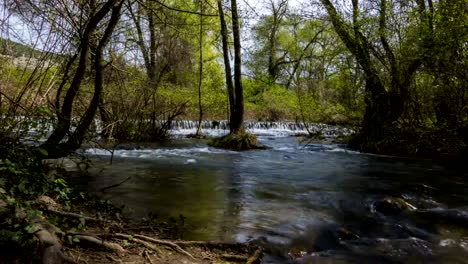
53 146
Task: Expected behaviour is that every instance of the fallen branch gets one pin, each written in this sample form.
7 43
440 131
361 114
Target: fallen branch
115 185
100 242
159 241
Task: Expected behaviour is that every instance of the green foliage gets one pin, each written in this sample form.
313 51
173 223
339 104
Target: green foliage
22 181
270 102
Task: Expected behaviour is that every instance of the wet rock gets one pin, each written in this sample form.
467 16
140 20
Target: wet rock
320 238
392 206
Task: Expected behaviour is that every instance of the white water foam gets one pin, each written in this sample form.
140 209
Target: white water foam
156 153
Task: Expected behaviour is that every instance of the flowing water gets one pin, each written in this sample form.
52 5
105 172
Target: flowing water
315 203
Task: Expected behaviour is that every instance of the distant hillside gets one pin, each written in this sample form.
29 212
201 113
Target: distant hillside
15 49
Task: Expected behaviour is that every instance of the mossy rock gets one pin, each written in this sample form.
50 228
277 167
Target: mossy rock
237 142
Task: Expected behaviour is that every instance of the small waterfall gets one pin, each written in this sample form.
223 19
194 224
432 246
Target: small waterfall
283 128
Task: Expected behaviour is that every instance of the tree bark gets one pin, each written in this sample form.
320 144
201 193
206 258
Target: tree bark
53 145
200 74
227 63
237 122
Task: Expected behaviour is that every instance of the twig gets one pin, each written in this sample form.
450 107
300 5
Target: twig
158 241
115 185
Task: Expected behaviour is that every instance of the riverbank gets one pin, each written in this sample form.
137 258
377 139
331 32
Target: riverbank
46 220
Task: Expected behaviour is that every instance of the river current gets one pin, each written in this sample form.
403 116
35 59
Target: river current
309 203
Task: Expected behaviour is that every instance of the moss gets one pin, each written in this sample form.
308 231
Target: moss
237 142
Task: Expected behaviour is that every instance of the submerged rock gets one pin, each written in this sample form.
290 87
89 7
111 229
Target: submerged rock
392 206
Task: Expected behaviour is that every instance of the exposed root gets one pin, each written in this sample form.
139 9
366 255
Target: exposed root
108 245
159 241
148 257
111 258
257 256
139 241
235 258
50 244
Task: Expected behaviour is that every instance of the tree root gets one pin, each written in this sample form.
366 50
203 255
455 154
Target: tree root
256 257
148 257
235 258
139 241
108 245
157 241
50 244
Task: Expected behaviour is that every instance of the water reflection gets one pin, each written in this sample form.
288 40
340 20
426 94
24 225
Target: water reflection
316 198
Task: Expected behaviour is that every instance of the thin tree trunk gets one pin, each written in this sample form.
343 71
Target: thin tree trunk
64 118
227 65
200 77
237 123
54 148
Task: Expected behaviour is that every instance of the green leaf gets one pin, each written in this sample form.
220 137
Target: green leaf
43 151
31 229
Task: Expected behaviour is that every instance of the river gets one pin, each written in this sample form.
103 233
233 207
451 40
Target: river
316 203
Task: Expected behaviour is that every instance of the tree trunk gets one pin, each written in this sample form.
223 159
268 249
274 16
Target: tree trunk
200 74
237 122
54 148
227 64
